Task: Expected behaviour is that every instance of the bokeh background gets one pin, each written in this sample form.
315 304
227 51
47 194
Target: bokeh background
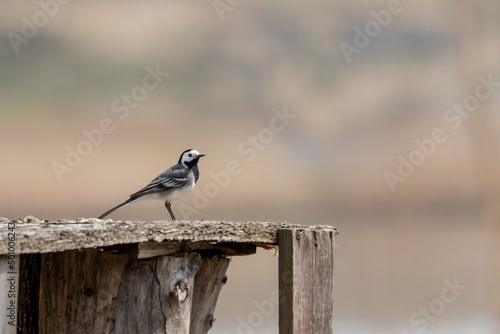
230 64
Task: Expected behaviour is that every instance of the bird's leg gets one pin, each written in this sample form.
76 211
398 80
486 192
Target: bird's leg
167 205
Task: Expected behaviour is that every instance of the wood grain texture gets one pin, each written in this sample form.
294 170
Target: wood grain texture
306 281
43 236
29 288
104 276
90 291
150 249
207 285
155 295
77 291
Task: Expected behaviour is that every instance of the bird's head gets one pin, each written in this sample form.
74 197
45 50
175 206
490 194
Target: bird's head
189 158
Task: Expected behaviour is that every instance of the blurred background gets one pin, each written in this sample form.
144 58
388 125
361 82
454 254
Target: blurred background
362 82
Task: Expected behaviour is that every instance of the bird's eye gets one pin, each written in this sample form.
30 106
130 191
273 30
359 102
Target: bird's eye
190 155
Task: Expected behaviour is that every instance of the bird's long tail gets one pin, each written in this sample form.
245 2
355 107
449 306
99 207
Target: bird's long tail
130 200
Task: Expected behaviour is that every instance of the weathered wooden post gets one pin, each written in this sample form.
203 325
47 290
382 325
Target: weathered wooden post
306 280
104 276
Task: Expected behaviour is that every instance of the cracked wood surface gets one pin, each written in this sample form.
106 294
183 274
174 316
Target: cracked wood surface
33 235
115 294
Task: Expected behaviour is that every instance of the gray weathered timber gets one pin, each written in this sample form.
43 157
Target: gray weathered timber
150 249
90 291
306 281
77 289
43 236
104 276
161 300
208 283
29 288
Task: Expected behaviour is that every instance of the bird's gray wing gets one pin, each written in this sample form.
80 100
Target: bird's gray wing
174 177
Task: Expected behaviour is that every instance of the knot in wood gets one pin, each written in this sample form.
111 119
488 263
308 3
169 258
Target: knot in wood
181 289
181 293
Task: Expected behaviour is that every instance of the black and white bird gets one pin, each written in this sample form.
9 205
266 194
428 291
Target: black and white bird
172 184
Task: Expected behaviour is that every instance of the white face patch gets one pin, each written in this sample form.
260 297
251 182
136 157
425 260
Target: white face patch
190 155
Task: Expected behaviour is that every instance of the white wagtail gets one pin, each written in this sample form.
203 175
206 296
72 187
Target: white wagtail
172 184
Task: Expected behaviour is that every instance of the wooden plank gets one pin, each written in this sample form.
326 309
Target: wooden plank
29 293
151 249
44 236
9 291
77 291
306 281
90 291
208 283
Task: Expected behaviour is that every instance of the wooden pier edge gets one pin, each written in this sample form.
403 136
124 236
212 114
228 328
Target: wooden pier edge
97 276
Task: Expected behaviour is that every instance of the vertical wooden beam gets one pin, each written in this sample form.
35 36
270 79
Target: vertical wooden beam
78 290
306 281
208 283
29 293
155 295
101 292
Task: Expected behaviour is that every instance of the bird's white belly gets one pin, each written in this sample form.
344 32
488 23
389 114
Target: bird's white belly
169 195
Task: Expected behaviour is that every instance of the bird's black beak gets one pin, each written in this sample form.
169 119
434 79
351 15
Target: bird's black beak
200 155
